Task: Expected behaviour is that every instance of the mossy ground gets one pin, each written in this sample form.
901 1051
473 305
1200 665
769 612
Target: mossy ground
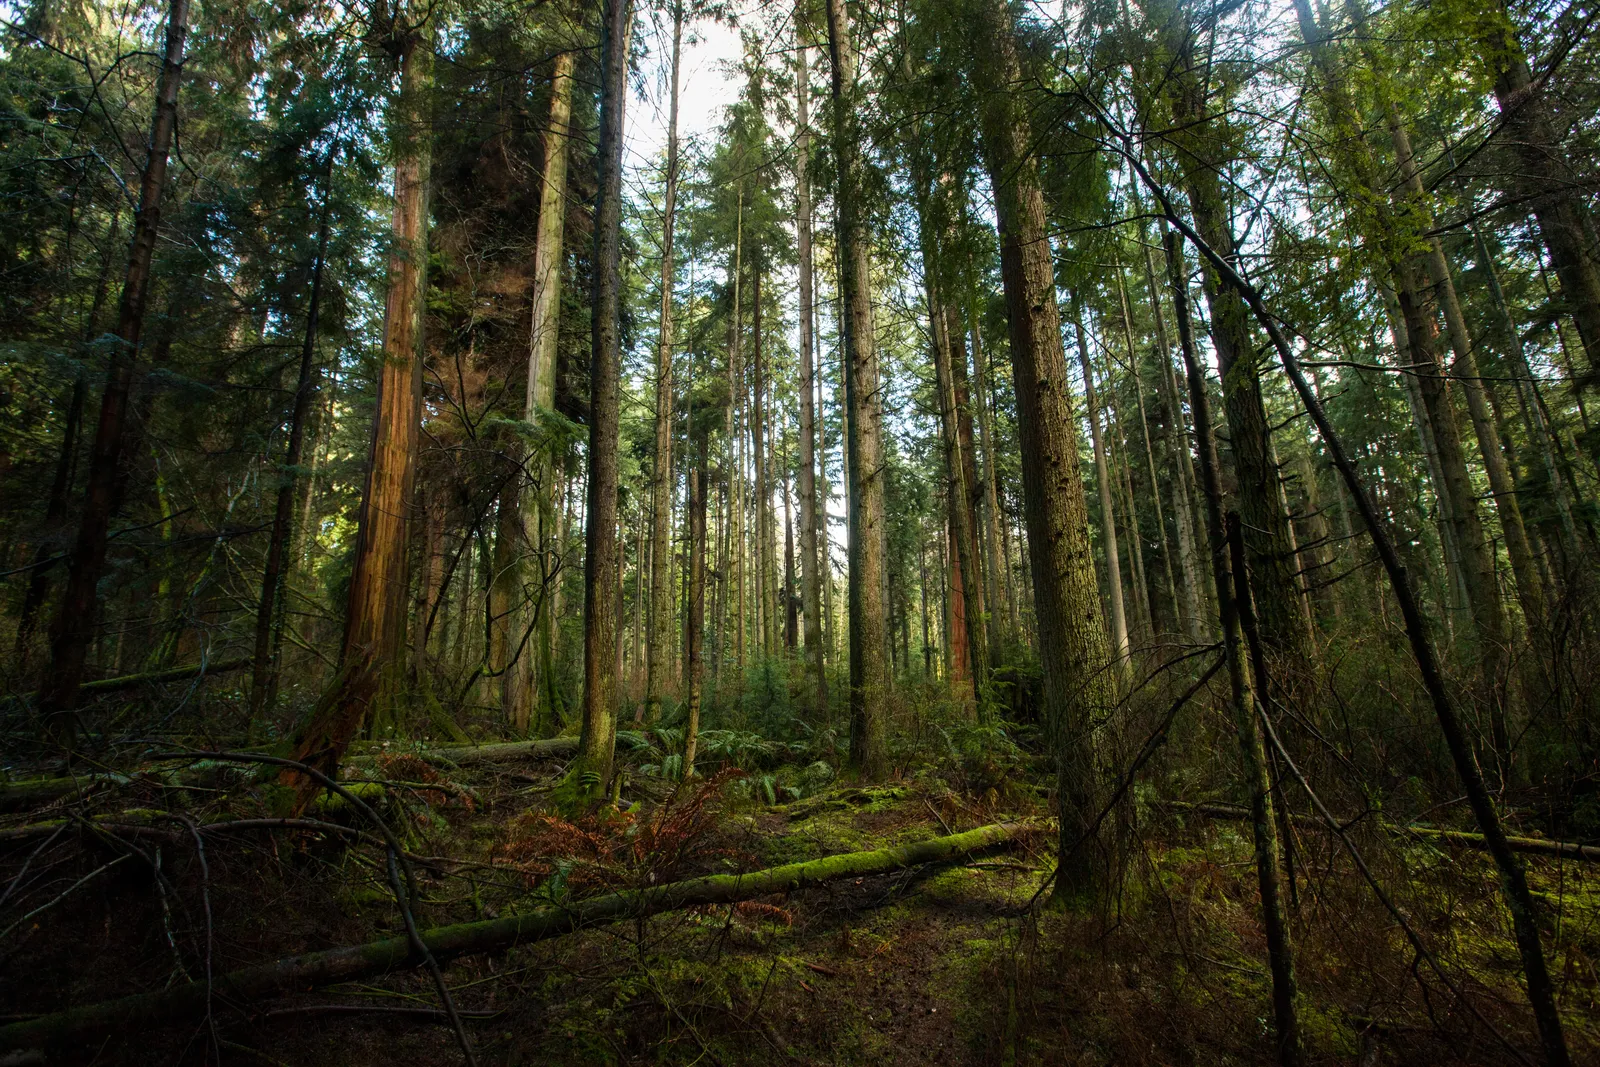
948 963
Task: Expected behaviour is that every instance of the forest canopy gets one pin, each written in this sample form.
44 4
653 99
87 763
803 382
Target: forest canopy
837 531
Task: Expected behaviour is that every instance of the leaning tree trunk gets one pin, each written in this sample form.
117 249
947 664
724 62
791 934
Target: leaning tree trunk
597 740
870 677
1513 877
657 680
1283 621
75 619
1072 644
372 665
1546 176
810 581
1228 569
1429 382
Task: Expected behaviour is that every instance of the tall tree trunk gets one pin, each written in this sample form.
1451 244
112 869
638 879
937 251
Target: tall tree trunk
1465 374
766 562
540 520
661 600
695 608
964 654
1228 567
1545 175
597 741
73 629
870 679
997 564
55 514
810 432
1267 534
968 636
371 664
269 617
1183 481
1073 650
734 440
1108 521
1149 453
791 613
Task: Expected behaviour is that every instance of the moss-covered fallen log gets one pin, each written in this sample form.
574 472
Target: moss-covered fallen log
1534 846
353 962
507 751
167 674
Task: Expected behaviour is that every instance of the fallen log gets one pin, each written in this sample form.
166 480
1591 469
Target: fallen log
299 973
168 674
1534 846
506 751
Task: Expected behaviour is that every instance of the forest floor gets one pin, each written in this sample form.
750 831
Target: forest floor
953 962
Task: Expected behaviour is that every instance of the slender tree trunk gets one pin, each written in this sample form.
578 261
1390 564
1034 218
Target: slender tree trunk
1266 524
810 432
73 629
428 582
1108 521
766 561
734 439
1073 650
1149 452
600 563
1513 877
1183 481
695 609
55 514
968 636
269 617
1539 431
1228 569
958 637
371 666
1544 171
791 603
870 680
998 561
658 681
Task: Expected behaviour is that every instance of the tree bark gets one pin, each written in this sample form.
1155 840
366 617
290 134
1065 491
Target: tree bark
695 609
1072 644
658 679
1108 520
969 640
73 628
1183 480
371 664
810 561
597 739
870 678
540 519
1267 533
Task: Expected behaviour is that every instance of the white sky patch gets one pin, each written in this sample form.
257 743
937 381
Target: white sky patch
708 84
